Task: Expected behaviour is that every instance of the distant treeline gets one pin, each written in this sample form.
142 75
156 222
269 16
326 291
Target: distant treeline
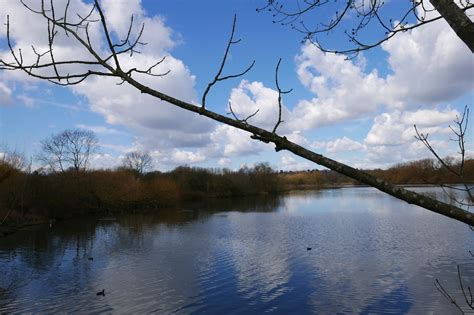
29 196
420 172
26 196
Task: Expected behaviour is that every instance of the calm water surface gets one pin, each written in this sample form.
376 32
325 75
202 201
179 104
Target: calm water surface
370 254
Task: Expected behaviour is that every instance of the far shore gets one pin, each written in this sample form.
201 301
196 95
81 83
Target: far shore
10 227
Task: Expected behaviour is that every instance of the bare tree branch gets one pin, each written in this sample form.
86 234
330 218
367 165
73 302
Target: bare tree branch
281 143
457 19
218 77
231 111
70 148
460 132
280 92
140 162
311 19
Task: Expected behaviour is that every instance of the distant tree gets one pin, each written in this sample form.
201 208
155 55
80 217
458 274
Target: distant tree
11 161
141 162
12 158
71 148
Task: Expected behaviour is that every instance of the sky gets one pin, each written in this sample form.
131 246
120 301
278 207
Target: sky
359 111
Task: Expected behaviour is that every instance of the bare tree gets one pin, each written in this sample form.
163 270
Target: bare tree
107 63
459 130
71 148
466 199
352 19
140 162
12 159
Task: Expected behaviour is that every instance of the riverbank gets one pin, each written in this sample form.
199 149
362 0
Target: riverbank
31 197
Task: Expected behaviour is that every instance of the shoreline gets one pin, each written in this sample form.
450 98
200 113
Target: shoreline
8 229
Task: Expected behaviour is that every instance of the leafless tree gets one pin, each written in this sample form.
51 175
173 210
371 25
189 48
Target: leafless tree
140 162
459 130
315 19
107 63
71 148
466 199
12 159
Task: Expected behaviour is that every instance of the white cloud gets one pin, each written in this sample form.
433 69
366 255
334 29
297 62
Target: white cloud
26 100
249 97
392 136
343 90
430 117
430 64
5 94
343 144
397 127
387 130
290 162
104 161
156 34
100 129
187 157
228 141
224 162
24 36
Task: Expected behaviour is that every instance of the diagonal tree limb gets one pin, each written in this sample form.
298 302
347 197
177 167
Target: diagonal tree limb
281 143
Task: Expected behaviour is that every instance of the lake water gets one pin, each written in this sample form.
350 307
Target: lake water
370 253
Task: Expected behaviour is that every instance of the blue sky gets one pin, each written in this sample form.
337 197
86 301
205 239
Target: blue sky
360 111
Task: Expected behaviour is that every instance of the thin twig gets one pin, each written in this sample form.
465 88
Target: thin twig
280 92
218 77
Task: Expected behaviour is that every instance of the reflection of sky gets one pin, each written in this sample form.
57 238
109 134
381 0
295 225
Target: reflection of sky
370 253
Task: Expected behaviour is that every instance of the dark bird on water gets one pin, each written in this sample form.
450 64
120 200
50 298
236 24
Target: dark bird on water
90 258
308 248
102 293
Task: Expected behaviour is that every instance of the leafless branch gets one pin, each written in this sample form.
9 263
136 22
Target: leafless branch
231 111
467 293
107 64
218 77
424 139
280 92
352 17
459 130
54 70
446 294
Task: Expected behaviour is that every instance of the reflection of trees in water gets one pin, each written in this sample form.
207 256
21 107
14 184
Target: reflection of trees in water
188 212
262 203
41 253
65 247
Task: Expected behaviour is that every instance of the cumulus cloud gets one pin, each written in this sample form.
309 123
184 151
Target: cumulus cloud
429 117
104 161
343 144
392 136
289 162
250 97
397 127
430 64
343 91
24 36
147 115
172 157
156 34
230 141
